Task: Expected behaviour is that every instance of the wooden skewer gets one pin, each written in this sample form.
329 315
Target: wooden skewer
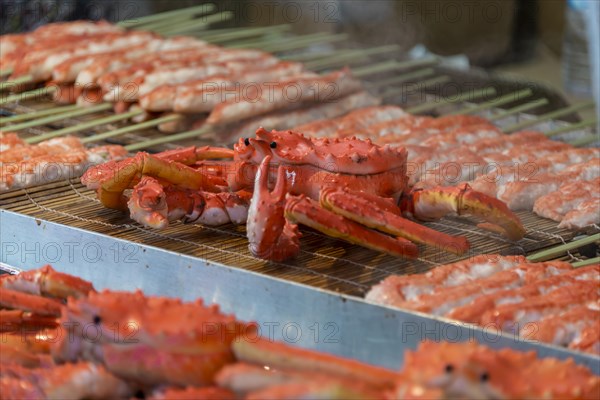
583 263
17 81
466 96
198 24
351 55
422 85
572 127
135 22
586 140
83 125
131 128
169 23
507 98
214 37
421 73
303 41
562 249
170 138
548 116
53 118
37 114
518 109
28 95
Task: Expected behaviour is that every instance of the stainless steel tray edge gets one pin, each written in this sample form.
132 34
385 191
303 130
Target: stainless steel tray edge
298 314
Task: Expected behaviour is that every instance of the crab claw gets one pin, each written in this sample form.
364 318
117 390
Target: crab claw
308 212
430 204
148 204
46 281
271 236
383 215
154 206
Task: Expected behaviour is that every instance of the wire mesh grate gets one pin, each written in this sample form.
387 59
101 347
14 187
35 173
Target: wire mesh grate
323 262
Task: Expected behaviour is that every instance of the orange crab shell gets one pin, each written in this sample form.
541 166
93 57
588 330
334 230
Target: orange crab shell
346 156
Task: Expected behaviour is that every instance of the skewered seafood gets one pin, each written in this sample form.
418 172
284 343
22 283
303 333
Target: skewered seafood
10 140
52 160
503 292
306 168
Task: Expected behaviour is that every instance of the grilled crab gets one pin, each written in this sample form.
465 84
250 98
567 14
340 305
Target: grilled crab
471 371
147 340
347 188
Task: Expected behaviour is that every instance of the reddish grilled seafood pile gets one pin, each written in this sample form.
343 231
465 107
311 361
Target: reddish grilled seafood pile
347 188
120 345
526 170
23 165
91 62
550 301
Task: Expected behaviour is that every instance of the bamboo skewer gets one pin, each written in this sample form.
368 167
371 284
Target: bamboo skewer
170 138
421 73
83 125
562 249
351 55
28 95
239 33
278 45
131 128
198 24
37 114
507 98
158 26
422 85
518 109
572 127
583 263
17 81
53 118
135 22
586 140
472 95
548 116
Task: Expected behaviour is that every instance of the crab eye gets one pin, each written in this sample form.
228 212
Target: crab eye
273 145
247 142
97 319
449 368
484 377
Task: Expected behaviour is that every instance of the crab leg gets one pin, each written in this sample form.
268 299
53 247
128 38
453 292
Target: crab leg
14 320
46 281
129 172
281 356
301 209
270 234
29 302
429 204
377 213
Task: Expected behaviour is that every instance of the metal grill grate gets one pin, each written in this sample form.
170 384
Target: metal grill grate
324 262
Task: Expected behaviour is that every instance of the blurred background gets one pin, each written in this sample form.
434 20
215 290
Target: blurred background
543 41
